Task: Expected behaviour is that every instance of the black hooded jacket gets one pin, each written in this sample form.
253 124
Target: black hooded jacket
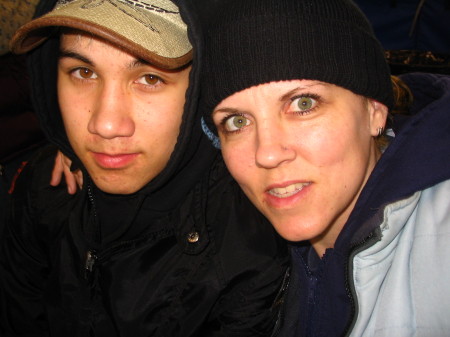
187 255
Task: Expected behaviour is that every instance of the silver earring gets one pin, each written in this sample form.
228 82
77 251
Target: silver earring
380 131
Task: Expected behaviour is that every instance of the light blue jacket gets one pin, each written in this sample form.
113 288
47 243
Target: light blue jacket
402 283
389 271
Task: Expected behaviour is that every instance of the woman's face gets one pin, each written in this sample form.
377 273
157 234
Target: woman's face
302 151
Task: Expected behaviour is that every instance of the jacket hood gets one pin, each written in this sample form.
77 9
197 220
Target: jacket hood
192 154
417 158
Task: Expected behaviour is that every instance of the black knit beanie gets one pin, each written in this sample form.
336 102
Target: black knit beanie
250 42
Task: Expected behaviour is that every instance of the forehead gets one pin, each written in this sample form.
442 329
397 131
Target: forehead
279 93
97 52
280 86
84 40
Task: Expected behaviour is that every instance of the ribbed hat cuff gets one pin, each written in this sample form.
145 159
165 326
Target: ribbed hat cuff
335 52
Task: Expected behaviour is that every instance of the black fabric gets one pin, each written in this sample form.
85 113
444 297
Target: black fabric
74 267
154 283
19 128
331 41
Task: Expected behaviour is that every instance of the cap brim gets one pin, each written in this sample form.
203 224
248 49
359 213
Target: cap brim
164 45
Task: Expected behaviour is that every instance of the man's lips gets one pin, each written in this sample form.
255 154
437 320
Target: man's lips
113 161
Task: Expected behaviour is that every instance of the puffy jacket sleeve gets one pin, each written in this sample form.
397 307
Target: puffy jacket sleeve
254 262
24 253
252 307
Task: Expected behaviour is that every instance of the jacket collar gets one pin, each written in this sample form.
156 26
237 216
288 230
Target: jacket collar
417 158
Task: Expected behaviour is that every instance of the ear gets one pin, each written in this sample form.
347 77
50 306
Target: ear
378 115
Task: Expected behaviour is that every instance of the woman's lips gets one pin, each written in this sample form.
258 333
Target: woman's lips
286 195
113 161
289 190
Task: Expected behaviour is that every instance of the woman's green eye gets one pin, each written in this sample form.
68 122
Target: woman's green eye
305 103
235 123
239 122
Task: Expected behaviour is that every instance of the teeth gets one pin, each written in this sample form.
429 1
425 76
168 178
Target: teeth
285 192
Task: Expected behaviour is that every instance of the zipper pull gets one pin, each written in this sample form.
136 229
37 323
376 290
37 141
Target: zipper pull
91 257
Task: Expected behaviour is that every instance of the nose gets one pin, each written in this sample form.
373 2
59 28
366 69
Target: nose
111 116
272 147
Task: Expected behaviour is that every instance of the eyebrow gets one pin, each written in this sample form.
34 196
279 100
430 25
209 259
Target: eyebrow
136 63
228 110
293 91
283 98
287 95
74 55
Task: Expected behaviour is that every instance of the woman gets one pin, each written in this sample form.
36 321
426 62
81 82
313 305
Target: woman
299 94
159 241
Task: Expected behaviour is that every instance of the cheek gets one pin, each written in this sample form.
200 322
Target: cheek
75 119
157 125
341 160
75 110
168 121
321 146
238 161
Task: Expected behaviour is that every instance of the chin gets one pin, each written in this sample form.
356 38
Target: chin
291 230
117 190
291 235
116 186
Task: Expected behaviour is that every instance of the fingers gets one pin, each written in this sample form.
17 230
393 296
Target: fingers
62 167
57 171
70 180
79 178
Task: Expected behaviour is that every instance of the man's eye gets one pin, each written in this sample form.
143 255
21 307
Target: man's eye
235 123
150 79
303 104
84 73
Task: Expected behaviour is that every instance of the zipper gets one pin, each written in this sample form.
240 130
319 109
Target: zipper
369 241
279 302
91 254
91 258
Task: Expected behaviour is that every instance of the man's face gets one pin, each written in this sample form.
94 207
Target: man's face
122 116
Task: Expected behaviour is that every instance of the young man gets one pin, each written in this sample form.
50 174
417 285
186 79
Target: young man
160 241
